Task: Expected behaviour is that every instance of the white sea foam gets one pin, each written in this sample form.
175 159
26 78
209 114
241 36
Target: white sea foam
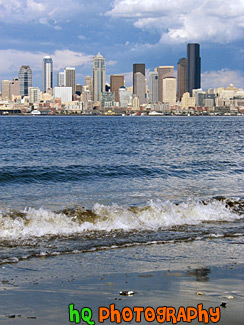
157 214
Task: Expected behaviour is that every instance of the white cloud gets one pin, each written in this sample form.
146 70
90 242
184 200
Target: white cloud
42 11
111 62
222 78
11 60
220 21
82 37
66 57
58 27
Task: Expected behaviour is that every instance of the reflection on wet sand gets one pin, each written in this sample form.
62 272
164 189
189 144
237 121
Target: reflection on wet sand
200 274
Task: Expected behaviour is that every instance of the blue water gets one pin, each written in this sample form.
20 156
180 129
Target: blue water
60 162
81 183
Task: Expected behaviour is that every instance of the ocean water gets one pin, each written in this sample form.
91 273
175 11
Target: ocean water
82 184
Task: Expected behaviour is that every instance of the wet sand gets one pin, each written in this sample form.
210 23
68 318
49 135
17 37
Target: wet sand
39 290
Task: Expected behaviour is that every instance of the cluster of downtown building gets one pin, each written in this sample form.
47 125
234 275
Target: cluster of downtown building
165 94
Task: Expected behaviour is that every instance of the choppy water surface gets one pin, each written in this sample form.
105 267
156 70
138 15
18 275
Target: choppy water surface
77 184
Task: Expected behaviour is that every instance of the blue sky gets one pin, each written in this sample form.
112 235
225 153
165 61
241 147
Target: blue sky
154 32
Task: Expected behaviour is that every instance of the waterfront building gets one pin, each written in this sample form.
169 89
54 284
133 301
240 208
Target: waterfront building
69 78
47 74
60 79
193 67
14 89
163 72
116 81
25 78
34 94
5 89
65 93
182 85
169 90
159 108
98 78
153 87
227 96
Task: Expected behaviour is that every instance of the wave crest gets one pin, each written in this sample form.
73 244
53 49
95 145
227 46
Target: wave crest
31 222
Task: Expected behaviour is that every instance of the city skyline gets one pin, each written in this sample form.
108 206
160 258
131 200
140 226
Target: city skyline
125 32
162 82
19 96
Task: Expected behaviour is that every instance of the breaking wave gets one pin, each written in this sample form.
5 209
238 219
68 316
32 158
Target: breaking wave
36 223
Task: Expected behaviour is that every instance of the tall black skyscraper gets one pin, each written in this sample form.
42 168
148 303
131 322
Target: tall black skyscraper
193 66
137 67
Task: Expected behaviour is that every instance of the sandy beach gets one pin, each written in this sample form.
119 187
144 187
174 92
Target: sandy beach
39 290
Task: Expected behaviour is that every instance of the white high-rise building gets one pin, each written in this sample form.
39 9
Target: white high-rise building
60 79
125 97
163 72
98 77
169 90
34 94
153 87
65 93
47 73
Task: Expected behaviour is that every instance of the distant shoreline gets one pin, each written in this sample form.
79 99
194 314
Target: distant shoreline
118 115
